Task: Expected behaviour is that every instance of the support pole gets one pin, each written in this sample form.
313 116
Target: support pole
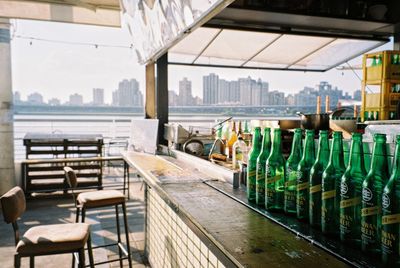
162 96
7 172
150 106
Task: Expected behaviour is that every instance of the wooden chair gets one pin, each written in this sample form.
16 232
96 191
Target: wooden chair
98 199
44 239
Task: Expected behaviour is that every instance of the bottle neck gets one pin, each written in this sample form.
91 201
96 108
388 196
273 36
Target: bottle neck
356 161
266 145
336 157
256 140
323 150
379 159
309 150
296 152
276 145
396 163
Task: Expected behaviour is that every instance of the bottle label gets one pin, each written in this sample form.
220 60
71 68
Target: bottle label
346 222
252 173
366 194
368 233
302 186
328 194
385 201
350 202
370 211
390 219
315 189
343 188
388 241
274 179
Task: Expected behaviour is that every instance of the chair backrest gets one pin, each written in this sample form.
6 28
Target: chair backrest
71 177
13 204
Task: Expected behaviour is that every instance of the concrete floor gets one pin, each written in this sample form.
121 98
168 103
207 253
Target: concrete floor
54 209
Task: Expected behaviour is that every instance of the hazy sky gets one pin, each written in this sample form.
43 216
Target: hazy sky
60 69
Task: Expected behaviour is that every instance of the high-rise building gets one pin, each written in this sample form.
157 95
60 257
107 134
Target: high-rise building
75 100
210 89
127 94
289 100
185 92
223 92
234 91
256 93
98 96
172 98
264 92
245 86
306 97
54 102
35 98
276 98
357 95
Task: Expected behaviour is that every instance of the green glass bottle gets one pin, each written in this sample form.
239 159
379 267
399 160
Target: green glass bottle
391 213
252 165
374 63
261 160
372 188
316 171
275 175
303 176
350 193
291 172
330 197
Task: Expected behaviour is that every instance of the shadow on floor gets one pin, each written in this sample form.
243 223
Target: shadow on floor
60 209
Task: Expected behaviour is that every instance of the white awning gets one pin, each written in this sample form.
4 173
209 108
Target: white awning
93 12
263 50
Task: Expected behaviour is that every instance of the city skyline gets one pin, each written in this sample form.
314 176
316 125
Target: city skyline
61 68
244 91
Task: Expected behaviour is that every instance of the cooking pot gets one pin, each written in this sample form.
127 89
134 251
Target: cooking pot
314 121
319 121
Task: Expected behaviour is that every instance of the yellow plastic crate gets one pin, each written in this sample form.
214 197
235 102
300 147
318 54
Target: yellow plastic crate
386 70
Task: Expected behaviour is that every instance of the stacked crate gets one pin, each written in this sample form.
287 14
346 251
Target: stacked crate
381 105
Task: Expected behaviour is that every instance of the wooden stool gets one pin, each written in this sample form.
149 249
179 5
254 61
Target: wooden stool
44 239
98 199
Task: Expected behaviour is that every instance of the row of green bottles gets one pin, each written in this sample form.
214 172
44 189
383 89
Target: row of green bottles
395 88
376 60
347 202
265 170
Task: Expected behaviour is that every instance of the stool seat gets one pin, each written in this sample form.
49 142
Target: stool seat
100 198
48 239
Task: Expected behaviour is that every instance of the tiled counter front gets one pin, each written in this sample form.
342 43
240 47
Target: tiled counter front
170 242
